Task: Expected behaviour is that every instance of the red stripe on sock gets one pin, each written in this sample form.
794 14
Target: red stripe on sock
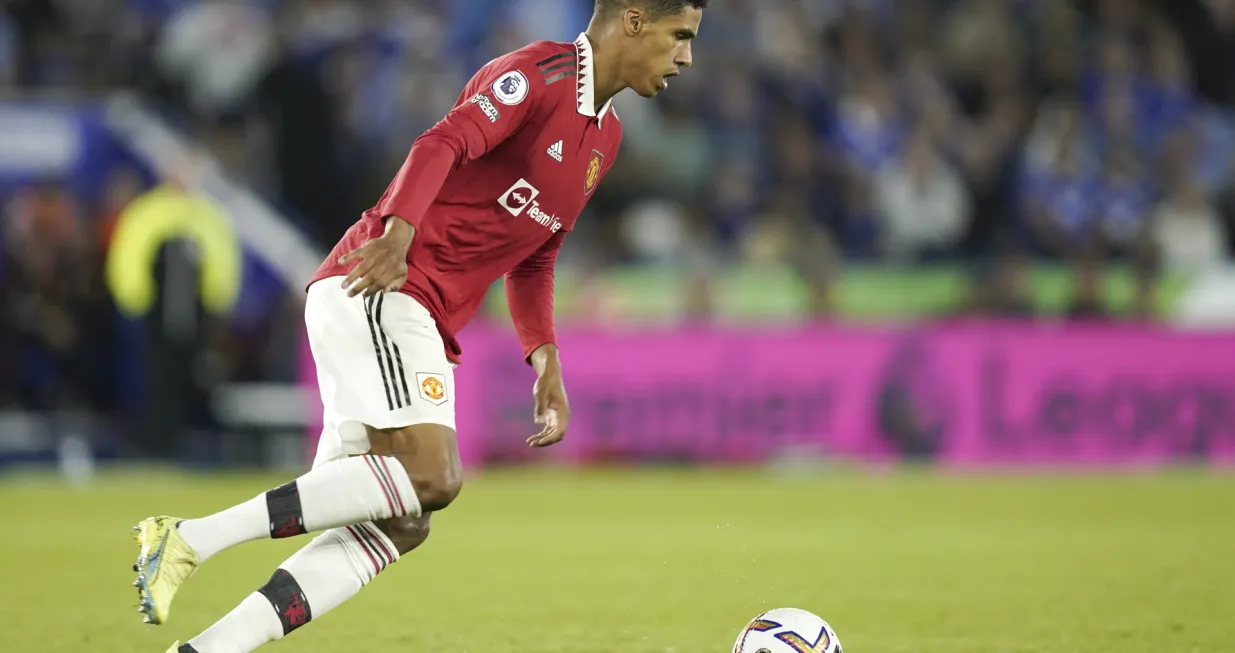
393 486
377 568
384 475
378 549
382 483
382 553
378 541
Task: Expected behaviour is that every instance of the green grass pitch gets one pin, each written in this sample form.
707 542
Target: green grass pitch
659 562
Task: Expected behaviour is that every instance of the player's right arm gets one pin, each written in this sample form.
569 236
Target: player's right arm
504 97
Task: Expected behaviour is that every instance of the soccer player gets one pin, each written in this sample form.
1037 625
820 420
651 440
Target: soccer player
491 190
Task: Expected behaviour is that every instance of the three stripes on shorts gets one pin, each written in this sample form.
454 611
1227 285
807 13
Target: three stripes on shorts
389 358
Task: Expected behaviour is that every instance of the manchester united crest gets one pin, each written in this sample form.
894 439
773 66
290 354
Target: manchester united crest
593 172
432 388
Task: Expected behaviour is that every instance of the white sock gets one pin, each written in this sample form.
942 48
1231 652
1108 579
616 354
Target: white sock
315 580
343 492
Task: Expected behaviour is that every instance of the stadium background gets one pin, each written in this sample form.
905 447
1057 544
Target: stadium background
994 234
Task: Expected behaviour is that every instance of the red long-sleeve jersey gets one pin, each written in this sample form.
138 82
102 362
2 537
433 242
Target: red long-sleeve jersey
494 187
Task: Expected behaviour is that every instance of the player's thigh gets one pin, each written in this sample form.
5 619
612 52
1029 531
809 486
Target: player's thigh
381 368
420 428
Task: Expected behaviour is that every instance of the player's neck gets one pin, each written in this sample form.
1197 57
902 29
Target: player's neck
608 80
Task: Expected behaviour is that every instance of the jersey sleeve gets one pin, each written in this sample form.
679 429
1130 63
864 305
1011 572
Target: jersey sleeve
499 100
503 102
529 295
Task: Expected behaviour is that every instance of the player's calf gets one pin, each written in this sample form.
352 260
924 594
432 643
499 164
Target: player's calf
317 579
408 472
339 493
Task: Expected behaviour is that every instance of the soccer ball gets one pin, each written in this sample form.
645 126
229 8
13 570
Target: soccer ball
787 630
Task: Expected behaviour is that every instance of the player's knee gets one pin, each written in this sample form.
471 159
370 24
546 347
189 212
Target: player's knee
406 533
430 455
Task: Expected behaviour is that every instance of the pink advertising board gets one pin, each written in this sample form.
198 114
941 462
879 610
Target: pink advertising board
962 394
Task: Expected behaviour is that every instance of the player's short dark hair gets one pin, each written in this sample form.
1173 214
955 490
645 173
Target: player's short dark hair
657 8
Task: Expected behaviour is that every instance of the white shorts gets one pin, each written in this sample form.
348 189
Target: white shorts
380 361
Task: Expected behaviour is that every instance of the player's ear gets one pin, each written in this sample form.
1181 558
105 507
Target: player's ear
634 21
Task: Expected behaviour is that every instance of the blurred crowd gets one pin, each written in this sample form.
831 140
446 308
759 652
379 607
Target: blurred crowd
809 134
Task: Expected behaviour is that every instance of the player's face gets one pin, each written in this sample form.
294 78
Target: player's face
663 50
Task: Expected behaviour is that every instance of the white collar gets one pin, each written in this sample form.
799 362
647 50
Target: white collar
585 88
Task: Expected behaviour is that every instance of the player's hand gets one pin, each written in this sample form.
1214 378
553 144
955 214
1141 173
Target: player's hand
383 261
552 408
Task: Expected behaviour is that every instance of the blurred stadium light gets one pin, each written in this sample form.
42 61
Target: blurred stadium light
265 232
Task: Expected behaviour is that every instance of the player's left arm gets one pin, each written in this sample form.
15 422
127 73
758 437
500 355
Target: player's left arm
529 294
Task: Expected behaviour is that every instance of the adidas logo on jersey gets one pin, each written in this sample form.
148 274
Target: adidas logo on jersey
555 151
